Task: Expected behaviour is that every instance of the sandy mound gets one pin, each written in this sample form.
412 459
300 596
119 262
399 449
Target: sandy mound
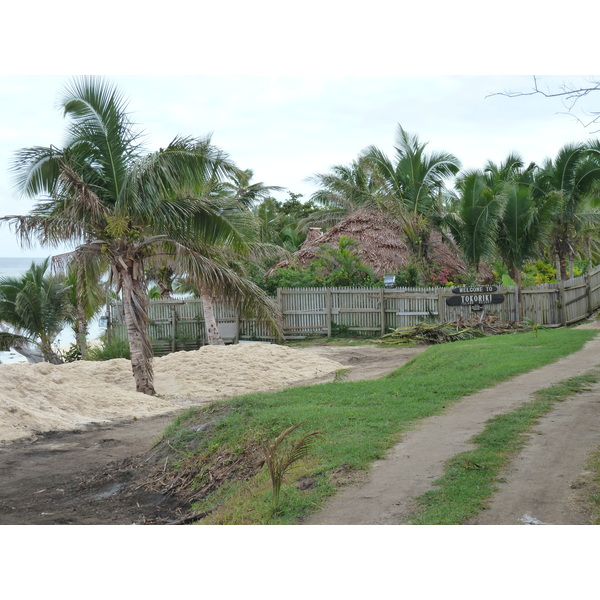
44 397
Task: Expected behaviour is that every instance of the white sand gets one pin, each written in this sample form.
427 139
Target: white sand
44 397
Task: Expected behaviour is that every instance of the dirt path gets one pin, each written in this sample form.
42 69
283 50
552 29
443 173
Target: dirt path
543 484
547 482
46 481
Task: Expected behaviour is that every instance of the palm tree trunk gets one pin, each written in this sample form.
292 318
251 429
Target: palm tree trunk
515 273
32 353
81 332
135 311
563 267
571 266
212 329
558 268
46 347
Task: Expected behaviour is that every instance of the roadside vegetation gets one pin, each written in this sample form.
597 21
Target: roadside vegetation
214 453
594 466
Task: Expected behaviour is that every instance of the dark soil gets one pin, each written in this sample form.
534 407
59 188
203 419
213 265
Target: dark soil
84 477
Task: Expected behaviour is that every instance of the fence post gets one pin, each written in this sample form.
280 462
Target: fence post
561 301
328 310
280 302
382 309
173 328
588 294
440 305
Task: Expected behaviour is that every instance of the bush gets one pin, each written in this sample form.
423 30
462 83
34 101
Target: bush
115 348
538 272
407 276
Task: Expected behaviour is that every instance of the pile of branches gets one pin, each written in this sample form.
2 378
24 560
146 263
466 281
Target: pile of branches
463 329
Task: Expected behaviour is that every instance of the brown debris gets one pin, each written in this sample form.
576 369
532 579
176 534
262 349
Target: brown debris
463 329
381 245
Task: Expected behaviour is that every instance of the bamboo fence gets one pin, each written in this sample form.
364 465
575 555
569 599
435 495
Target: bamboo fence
178 324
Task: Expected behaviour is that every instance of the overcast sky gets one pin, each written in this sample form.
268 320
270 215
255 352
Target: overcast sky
287 128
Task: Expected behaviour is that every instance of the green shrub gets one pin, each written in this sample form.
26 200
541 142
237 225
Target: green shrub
115 348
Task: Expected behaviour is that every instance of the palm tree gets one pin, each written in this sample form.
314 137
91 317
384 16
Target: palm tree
571 179
476 211
104 192
34 309
413 186
343 191
523 227
245 193
410 188
86 294
474 222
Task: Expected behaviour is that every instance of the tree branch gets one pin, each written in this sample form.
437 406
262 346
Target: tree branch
570 94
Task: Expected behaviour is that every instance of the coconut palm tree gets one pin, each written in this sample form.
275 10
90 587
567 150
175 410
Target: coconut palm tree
572 180
34 309
523 226
245 193
87 294
410 188
413 186
106 193
343 191
476 210
474 222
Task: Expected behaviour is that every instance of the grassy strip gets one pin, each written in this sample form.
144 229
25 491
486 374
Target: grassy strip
594 497
359 420
470 477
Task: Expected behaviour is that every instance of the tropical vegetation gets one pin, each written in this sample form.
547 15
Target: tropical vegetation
34 309
185 218
103 192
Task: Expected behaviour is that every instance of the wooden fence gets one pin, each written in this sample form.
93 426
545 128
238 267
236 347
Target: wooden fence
179 324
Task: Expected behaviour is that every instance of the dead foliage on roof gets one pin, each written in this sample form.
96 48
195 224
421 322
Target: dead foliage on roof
381 246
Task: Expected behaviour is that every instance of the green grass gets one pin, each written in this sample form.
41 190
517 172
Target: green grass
471 477
594 495
359 420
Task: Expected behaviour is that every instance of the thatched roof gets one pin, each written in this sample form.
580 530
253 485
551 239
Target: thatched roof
381 245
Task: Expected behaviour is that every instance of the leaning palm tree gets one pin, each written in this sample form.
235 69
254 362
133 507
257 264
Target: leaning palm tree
34 309
104 192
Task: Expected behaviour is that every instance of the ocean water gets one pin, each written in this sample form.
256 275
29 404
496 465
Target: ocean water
15 266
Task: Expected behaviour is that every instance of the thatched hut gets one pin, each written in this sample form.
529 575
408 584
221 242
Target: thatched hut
381 246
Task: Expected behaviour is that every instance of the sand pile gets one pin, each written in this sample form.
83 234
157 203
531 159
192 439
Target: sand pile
44 397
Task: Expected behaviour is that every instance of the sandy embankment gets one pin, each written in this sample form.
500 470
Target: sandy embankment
44 397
